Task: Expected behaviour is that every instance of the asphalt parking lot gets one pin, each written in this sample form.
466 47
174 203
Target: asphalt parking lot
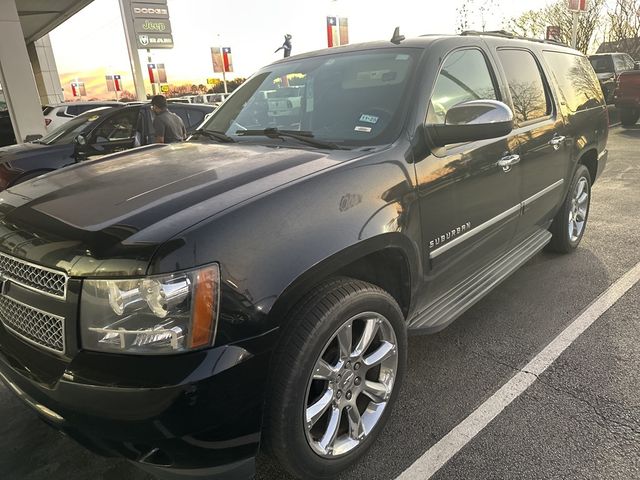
579 419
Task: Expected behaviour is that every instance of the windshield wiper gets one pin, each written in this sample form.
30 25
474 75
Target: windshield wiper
214 135
300 135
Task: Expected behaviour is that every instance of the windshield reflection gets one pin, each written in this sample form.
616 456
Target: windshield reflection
350 98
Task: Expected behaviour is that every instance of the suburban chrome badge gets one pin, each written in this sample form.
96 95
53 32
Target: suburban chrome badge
450 235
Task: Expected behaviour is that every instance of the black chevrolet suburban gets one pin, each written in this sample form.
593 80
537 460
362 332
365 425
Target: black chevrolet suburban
182 305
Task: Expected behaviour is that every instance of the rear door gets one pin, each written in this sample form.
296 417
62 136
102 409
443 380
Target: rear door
542 136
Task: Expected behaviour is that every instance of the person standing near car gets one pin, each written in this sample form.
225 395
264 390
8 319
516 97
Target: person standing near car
168 127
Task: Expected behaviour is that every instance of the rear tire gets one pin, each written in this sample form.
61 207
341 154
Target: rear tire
322 366
570 222
629 116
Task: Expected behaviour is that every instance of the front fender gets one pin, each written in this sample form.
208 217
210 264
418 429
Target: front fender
285 240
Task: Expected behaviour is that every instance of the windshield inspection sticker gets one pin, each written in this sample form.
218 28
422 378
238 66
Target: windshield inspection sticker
369 118
362 129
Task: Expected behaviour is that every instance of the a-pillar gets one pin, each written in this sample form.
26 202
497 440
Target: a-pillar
16 76
46 71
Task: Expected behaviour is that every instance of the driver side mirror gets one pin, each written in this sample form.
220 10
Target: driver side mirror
472 120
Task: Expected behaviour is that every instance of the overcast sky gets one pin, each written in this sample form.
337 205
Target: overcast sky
91 43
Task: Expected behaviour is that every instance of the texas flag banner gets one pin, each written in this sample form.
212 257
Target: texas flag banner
333 35
113 83
344 30
227 59
78 89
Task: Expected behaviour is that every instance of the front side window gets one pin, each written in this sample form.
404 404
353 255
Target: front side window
120 126
528 92
348 99
464 76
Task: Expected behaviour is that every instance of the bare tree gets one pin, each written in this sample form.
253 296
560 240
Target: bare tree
535 22
623 27
474 14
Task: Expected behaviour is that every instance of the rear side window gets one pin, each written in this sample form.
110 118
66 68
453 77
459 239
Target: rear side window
196 117
181 112
464 76
47 110
528 92
578 83
602 64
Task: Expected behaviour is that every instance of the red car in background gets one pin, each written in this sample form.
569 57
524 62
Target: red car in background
627 97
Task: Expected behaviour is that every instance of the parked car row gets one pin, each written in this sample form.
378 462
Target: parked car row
108 129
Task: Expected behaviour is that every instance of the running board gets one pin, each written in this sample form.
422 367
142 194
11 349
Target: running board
453 303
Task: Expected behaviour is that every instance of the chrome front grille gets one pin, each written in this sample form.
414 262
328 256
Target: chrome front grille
38 327
34 277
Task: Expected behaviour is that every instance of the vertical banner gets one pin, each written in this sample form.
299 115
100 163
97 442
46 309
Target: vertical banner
114 83
577 5
162 73
227 60
344 31
332 32
216 60
78 89
151 68
157 73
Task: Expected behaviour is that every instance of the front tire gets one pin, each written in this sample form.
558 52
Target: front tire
629 116
335 377
570 222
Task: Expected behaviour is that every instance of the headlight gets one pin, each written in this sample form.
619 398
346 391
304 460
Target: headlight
153 315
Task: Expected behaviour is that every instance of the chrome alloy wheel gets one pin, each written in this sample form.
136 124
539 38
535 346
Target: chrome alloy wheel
578 212
351 384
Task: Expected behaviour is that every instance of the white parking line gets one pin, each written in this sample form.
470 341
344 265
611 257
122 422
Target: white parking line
440 453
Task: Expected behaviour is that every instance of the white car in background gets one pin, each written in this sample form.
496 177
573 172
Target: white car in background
56 115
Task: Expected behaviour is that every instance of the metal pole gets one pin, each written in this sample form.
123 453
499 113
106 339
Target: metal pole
153 84
224 80
574 31
130 37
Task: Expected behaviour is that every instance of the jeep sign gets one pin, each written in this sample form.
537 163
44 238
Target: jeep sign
144 26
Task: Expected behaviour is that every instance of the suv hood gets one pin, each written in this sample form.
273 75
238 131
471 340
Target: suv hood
108 216
22 150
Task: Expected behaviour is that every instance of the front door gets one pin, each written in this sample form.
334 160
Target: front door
469 203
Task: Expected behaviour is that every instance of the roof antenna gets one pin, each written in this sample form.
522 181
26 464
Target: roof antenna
397 38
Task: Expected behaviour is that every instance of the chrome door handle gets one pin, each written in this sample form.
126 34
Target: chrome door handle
507 162
556 141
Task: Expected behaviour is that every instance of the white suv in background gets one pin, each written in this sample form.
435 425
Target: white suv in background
56 115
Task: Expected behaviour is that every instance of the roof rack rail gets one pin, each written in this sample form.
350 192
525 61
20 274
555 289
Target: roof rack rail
506 34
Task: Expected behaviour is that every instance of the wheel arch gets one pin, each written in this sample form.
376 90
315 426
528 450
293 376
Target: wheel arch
389 261
589 158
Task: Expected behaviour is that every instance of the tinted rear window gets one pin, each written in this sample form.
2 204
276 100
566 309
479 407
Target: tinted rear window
47 110
600 64
579 87
527 87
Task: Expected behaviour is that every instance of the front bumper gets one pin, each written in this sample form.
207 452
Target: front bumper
192 415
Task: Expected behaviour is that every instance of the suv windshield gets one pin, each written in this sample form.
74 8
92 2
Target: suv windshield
353 99
602 64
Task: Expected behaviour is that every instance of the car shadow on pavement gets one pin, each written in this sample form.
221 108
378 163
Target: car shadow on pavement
633 131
